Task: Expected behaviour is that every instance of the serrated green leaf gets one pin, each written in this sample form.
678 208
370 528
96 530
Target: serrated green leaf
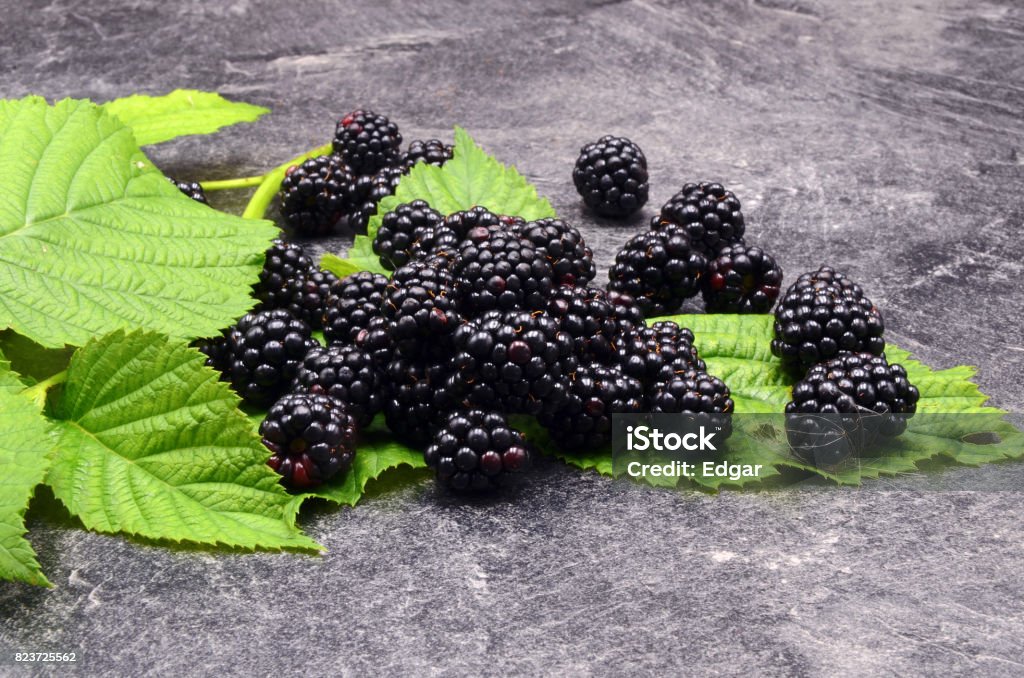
24 457
32 362
470 178
344 267
93 238
153 444
183 112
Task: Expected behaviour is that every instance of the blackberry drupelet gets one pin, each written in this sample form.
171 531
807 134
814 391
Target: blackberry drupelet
741 279
841 407
822 314
367 141
314 195
264 350
694 392
432 151
465 221
658 353
572 262
284 261
516 361
190 188
596 392
343 372
496 269
659 269
417 396
410 232
422 315
306 296
365 192
352 303
433 271
611 176
710 215
311 439
585 314
475 449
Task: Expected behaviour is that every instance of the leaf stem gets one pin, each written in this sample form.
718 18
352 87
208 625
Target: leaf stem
227 184
271 183
38 392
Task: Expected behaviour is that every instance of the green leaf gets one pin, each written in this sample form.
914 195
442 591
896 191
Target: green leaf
181 113
343 267
470 178
93 238
32 362
152 444
24 457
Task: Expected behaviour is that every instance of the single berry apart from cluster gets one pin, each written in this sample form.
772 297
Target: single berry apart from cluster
842 406
343 372
264 350
311 439
658 353
432 151
572 262
190 188
474 450
611 175
708 212
822 314
367 141
741 279
408 232
314 195
284 261
352 303
365 192
496 269
306 296
584 422
660 269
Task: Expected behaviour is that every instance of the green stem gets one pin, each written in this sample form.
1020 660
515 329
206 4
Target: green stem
226 184
271 184
37 393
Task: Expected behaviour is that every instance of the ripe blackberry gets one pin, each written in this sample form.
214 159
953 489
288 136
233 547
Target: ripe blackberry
306 296
585 314
410 232
475 449
422 316
584 422
311 439
465 221
822 314
611 175
432 151
517 361
496 269
352 303
843 405
264 350
366 191
659 269
417 396
434 272
694 392
572 262
216 351
190 188
314 195
741 279
375 339
658 353
284 261
710 215
367 141
343 372
627 312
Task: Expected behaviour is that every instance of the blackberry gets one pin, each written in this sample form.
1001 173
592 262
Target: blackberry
658 353
585 314
343 372
365 192
515 361
284 261
434 272
432 151
306 296
822 314
694 392
216 351
584 422
367 141
314 195
264 350
422 316
417 396
710 215
626 311
841 407
572 262
352 303
611 175
497 269
463 222
311 439
375 339
190 188
741 279
409 232
660 269
475 449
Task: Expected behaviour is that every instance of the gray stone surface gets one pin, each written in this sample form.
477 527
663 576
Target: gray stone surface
882 137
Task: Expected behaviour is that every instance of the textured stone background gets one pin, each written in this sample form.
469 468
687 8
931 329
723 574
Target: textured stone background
884 138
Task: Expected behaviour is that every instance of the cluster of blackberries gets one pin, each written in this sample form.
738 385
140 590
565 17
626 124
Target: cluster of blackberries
344 188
